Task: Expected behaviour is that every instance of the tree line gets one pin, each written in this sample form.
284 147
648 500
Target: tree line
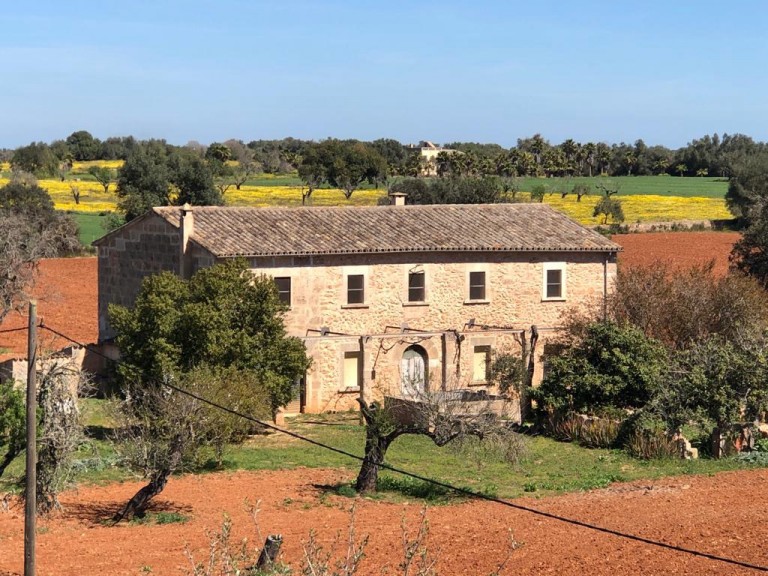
713 155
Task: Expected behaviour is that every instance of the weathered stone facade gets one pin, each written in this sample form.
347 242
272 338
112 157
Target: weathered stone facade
148 245
387 323
362 344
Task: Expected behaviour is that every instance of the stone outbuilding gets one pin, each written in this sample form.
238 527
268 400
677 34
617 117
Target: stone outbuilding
390 300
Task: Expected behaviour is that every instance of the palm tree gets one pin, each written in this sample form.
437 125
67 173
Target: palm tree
589 155
603 156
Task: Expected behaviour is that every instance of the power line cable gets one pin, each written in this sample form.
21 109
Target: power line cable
7 330
457 489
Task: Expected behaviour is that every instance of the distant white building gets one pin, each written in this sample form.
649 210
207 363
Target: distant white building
429 152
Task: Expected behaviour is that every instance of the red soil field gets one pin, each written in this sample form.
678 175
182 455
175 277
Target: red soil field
67 300
681 249
717 515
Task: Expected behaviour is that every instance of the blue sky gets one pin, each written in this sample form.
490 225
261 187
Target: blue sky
487 71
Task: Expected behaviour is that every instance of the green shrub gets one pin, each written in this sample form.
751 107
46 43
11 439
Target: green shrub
599 433
645 436
608 368
761 445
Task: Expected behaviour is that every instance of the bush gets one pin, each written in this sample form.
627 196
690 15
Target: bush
598 432
607 368
12 423
590 432
646 436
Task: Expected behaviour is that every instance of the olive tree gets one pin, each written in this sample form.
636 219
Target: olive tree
444 416
163 431
60 429
716 382
30 229
219 335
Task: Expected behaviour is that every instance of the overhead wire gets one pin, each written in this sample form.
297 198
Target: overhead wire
457 489
8 330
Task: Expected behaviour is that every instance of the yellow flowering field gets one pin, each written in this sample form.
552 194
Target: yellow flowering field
645 208
83 166
637 208
291 196
92 197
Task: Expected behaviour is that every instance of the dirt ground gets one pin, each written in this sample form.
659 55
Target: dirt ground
679 248
720 515
67 300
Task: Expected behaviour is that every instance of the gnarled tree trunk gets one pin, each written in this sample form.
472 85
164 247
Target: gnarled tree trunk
137 506
376 445
385 425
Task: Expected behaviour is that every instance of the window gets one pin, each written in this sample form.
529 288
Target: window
477 285
351 370
481 361
554 281
416 292
356 289
284 289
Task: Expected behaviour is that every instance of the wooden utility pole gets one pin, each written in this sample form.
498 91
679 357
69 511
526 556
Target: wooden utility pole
31 471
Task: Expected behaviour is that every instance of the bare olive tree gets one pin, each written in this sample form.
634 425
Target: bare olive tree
443 416
30 229
163 431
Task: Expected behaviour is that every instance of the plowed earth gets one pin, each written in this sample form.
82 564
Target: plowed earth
680 249
67 300
721 515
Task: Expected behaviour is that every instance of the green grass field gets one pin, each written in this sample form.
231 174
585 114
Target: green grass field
628 185
547 466
90 226
638 185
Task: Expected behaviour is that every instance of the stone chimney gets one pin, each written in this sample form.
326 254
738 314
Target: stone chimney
397 198
186 228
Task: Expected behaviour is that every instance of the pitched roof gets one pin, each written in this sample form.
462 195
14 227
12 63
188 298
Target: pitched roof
241 231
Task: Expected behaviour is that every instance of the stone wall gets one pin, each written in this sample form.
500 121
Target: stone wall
149 245
439 325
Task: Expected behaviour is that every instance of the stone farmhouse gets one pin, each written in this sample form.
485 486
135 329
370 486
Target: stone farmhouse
389 300
428 153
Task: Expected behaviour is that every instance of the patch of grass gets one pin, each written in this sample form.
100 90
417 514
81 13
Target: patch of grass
415 488
549 466
161 518
275 180
687 187
95 412
90 226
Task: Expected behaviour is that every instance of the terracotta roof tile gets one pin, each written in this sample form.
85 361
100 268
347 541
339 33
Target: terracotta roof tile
240 231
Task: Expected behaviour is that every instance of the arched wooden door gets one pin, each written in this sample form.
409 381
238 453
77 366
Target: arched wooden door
413 371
